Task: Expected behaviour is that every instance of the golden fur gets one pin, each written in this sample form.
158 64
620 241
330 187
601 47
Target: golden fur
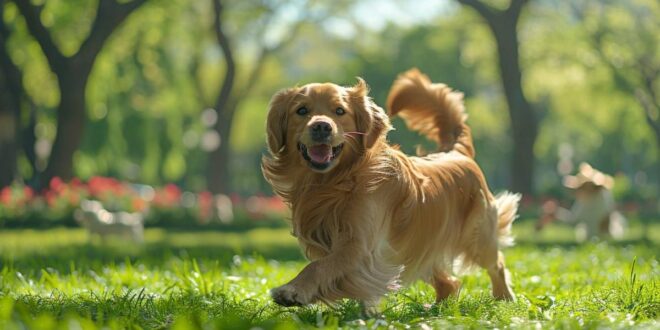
376 217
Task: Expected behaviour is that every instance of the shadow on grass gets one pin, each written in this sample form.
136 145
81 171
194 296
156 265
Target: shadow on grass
559 235
566 244
66 250
85 256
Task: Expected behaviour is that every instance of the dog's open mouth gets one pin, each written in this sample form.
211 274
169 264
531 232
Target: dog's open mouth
320 156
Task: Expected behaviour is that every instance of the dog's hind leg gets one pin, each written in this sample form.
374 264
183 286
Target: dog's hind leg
445 285
369 308
500 278
486 253
490 258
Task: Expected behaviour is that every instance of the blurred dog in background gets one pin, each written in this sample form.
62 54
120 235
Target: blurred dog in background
99 221
594 211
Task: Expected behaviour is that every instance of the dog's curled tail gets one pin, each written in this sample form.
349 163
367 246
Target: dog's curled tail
507 209
435 110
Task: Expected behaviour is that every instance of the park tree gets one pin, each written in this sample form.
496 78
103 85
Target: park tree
234 90
9 109
625 38
17 114
218 169
503 24
10 99
72 72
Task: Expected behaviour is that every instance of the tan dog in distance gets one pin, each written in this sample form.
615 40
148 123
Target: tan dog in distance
594 212
369 217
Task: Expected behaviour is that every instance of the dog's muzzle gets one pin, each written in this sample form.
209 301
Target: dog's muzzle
321 132
320 156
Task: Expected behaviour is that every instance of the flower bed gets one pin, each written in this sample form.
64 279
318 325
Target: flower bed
166 206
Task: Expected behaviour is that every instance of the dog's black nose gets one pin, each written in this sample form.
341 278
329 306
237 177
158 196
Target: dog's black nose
321 131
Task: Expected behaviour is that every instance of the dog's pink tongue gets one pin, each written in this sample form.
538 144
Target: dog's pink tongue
321 153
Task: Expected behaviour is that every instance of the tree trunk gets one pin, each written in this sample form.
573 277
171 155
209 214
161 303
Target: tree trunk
28 141
218 172
219 160
70 127
11 92
72 73
524 123
217 176
9 127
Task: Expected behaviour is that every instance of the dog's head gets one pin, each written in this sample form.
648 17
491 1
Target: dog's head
87 212
325 125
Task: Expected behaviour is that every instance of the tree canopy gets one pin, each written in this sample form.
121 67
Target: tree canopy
152 99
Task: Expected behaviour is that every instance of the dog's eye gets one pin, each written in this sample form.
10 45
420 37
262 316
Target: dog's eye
302 111
340 111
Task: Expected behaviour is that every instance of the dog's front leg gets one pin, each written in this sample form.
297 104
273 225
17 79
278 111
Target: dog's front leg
320 277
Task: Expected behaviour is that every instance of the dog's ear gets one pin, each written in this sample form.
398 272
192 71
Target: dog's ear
276 123
371 120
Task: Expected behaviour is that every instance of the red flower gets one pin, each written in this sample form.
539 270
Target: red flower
138 204
235 198
28 193
172 193
51 198
205 200
76 183
5 195
56 184
205 197
101 186
276 204
168 196
96 186
74 198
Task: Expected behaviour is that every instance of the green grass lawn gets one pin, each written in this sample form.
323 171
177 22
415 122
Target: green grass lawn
58 279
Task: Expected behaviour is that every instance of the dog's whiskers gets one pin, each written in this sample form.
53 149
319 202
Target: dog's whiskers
353 143
352 139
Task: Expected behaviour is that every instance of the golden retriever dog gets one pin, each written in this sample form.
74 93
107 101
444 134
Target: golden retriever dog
369 217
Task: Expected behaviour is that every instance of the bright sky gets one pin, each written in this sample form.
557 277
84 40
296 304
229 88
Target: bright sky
373 14
377 13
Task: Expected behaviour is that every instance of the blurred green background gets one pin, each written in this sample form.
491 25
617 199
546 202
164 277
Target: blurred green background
158 107
156 91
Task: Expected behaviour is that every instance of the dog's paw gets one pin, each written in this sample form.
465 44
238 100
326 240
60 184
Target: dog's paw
288 295
369 310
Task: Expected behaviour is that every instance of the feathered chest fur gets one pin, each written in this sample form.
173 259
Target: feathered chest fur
325 206
319 215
